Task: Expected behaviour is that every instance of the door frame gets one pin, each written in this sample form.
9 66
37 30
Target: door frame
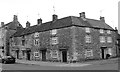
103 52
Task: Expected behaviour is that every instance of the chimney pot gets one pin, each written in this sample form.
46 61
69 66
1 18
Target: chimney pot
2 24
39 21
82 14
15 18
27 24
102 19
55 17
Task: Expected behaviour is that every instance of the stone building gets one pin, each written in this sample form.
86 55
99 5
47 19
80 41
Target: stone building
67 39
6 30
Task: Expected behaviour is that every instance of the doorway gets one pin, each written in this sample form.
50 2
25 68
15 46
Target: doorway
103 52
17 52
28 55
43 55
64 55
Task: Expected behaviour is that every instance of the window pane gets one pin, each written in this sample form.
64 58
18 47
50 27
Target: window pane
87 30
53 32
101 31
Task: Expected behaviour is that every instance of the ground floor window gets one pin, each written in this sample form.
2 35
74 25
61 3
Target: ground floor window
36 54
88 53
54 54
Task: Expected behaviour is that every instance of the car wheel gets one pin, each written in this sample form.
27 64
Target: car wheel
4 62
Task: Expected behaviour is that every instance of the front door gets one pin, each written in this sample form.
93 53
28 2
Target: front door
102 53
28 55
43 55
64 56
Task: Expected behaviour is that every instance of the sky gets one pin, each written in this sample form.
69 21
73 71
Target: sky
31 10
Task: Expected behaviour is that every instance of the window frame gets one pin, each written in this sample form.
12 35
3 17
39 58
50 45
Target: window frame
88 53
54 53
36 54
88 39
36 42
102 39
54 40
36 34
109 39
87 29
101 31
108 31
53 31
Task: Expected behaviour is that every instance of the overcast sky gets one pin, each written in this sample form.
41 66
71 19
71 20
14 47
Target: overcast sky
31 10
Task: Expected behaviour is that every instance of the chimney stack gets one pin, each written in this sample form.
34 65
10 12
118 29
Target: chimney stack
15 18
82 15
55 17
2 24
27 24
39 21
102 19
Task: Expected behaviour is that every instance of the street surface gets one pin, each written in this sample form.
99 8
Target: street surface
96 65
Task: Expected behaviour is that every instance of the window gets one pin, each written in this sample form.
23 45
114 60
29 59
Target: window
54 31
54 40
36 34
109 39
36 54
36 42
108 32
110 51
88 39
87 30
102 39
54 54
23 42
101 31
88 53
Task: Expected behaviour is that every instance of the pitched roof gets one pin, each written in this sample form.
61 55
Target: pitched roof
13 25
118 37
66 22
18 32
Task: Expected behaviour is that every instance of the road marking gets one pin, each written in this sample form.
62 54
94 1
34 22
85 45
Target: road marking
73 65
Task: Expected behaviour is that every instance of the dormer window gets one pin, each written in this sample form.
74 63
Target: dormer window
108 32
101 31
54 31
87 29
36 34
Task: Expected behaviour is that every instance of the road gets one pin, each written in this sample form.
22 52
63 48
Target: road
95 66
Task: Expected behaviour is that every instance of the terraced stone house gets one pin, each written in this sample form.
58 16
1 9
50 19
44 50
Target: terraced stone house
6 30
67 39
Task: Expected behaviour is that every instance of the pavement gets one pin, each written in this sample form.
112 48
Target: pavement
59 64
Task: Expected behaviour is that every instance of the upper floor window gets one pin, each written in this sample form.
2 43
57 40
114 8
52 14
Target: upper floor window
87 29
36 34
88 53
23 42
101 31
54 31
54 40
88 39
109 39
36 42
102 39
108 32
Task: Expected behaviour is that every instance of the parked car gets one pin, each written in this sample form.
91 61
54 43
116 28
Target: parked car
7 59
